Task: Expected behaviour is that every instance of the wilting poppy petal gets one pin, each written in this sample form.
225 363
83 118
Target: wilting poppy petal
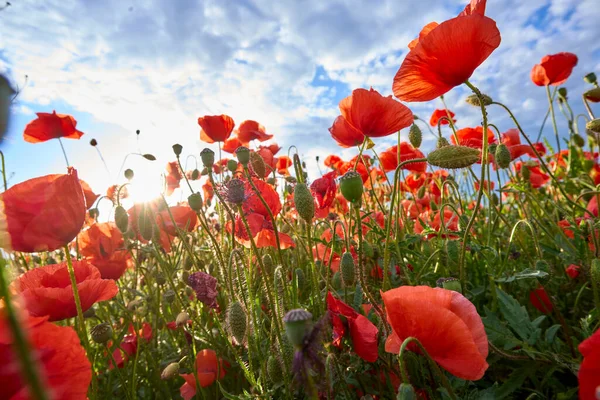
445 323
51 126
589 371
324 190
373 114
215 128
432 67
251 130
60 360
424 32
47 290
554 69
42 214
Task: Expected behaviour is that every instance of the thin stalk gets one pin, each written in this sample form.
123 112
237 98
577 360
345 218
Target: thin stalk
64 152
551 104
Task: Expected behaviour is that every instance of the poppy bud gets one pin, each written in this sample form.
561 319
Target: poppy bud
169 296
297 323
452 284
274 369
593 125
347 269
592 95
121 219
182 319
495 199
185 275
578 140
267 261
300 279
421 192
279 283
304 202
195 201
502 156
144 223
590 78
102 333
525 173
170 371
243 155
208 157
336 281
128 174
453 157
160 278
204 172
91 313
232 165
351 186
177 149
562 93
236 321
406 392
93 143
415 136
149 157
442 142
6 94
236 192
257 164
595 272
474 100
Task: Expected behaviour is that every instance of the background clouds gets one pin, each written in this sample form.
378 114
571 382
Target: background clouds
157 66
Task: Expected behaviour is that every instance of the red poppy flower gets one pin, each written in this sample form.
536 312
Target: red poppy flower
231 145
88 194
589 370
486 185
593 205
103 246
437 114
512 140
414 181
42 214
129 344
537 178
208 190
431 68
446 324
208 369
554 69
60 360
174 176
474 7
540 300
433 220
251 130
112 191
374 115
332 161
324 190
215 128
573 271
363 332
254 204
472 137
51 126
282 165
185 218
269 159
261 230
389 158
47 290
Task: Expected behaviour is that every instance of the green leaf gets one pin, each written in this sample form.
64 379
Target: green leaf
498 333
525 274
517 317
358 298
551 333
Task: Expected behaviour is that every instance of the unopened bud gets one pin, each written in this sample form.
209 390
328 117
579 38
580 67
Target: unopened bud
442 142
121 219
474 100
257 164
347 269
304 202
590 78
170 371
182 319
562 93
453 157
195 201
232 165
102 333
177 149
128 174
93 143
592 95
578 140
415 136
236 321
593 125
502 156
351 186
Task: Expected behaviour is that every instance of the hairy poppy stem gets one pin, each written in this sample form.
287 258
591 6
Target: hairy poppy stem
434 365
81 321
552 114
29 366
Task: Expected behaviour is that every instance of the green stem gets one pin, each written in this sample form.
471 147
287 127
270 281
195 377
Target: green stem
81 321
551 104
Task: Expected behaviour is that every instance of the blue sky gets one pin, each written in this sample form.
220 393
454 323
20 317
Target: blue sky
118 66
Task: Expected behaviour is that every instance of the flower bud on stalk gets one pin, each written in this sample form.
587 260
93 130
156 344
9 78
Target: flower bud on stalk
208 158
415 136
593 125
474 100
182 319
453 157
243 155
232 165
351 186
195 201
304 202
102 333
590 78
177 149
257 164
442 142
347 269
236 320
502 156
170 371
121 219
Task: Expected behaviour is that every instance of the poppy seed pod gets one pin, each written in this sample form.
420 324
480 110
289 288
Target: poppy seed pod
243 155
208 158
415 136
170 371
102 333
168 296
93 143
236 321
297 323
476 102
304 202
236 192
177 149
590 78
502 156
195 201
406 392
347 269
121 219
257 164
562 93
442 142
593 125
149 157
453 157
128 174
351 186
336 281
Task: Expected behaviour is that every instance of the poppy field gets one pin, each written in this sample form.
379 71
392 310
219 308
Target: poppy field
466 269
